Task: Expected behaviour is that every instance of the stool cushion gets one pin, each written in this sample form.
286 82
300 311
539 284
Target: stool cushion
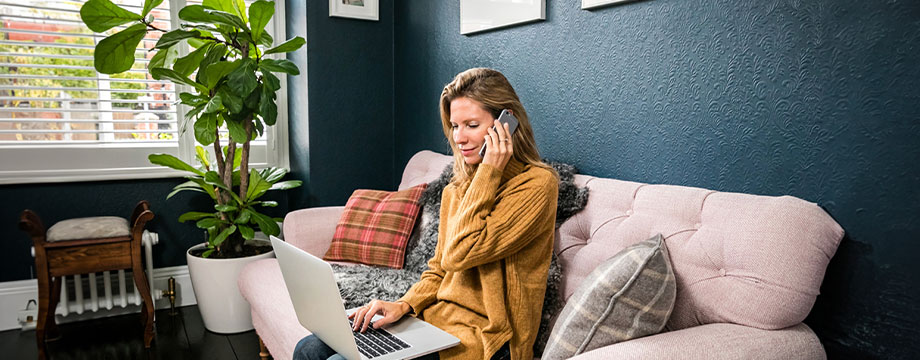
99 227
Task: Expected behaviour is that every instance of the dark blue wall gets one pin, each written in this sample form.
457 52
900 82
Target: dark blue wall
55 202
346 141
816 99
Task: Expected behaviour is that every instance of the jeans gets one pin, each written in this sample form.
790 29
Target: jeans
312 348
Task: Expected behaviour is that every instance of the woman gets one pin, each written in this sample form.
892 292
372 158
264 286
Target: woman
486 281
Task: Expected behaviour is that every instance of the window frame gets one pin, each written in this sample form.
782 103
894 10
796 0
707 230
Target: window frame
73 162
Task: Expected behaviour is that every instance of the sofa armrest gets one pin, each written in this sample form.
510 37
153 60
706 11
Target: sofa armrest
312 229
717 341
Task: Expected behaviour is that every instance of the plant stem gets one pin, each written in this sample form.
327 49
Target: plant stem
244 165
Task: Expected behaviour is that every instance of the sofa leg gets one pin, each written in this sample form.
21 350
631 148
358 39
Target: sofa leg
263 351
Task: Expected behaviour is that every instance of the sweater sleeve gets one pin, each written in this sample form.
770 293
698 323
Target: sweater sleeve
485 229
424 292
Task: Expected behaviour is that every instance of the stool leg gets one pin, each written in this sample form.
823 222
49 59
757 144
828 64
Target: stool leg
44 298
147 307
263 351
51 328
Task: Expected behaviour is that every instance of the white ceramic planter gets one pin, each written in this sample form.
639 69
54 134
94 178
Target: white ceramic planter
214 281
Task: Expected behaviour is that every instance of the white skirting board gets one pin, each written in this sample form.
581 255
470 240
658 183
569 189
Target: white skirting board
15 295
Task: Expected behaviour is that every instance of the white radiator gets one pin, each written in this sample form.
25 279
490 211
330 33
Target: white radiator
104 291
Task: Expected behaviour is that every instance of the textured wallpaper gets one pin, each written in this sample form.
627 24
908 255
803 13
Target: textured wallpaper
816 99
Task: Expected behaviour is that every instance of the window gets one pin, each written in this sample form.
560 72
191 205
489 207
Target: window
60 120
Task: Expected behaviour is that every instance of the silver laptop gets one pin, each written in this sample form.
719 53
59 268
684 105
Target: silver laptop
320 309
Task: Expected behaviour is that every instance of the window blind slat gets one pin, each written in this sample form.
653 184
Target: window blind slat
127 101
78 78
92 121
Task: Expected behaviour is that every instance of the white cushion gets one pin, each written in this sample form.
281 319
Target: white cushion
99 227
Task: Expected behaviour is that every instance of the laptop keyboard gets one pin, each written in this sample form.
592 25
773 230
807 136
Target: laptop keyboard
377 342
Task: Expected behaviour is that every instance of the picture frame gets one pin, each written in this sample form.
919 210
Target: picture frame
591 4
355 9
484 15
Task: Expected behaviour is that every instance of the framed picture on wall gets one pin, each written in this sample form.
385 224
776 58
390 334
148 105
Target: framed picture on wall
590 4
483 15
355 9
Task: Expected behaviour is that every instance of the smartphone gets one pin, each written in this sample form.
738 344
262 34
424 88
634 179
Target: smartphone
504 118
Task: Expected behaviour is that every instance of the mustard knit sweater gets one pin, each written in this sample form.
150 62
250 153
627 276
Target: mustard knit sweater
486 281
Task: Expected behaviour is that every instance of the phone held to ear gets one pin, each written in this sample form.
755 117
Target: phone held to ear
504 118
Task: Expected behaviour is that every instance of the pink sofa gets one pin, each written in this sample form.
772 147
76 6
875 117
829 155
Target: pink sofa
748 267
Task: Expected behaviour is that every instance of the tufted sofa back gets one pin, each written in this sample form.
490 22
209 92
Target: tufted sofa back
738 258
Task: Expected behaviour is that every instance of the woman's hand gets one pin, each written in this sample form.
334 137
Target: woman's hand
391 312
499 146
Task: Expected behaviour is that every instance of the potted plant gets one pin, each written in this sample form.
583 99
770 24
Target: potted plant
233 86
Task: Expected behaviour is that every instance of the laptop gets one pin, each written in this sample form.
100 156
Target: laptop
320 309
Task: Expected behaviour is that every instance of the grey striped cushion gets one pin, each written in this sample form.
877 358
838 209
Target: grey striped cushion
628 296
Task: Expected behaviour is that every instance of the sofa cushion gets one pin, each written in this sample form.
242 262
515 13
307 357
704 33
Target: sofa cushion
628 296
738 258
375 227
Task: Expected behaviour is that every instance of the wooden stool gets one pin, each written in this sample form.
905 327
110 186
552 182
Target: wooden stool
86 245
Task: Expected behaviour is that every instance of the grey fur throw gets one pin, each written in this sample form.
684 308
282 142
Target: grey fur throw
360 284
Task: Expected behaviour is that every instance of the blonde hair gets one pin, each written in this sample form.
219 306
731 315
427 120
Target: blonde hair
493 91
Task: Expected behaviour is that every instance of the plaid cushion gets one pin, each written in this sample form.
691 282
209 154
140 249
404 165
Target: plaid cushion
375 227
630 295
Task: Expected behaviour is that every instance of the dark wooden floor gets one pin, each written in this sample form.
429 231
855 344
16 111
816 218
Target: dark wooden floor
182 336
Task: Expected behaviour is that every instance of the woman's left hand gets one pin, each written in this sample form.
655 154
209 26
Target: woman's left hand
499 146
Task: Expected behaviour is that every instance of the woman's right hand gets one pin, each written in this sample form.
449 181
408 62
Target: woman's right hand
391 311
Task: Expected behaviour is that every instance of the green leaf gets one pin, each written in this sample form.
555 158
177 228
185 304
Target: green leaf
232 102
193 99
207 253
273 174
175 36
202 155
260 12
101 15
269 203
218 70
201 14
247 232
243 218
237 132
284 185
243 79
214 54
223 235
149 5
208 222
240 7
178 78
225 208
267 107
211 177
266 39
266 224
257 185
205 186
172 162
195 215
282 65
271 80
206 129
214 104
178 190
188 63
287 46
228 6
164 58
252 101
115 54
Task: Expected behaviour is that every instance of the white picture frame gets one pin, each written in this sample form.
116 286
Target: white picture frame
484 15
355 9
591 4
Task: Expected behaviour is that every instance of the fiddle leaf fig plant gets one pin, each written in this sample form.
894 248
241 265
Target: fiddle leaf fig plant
219 53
